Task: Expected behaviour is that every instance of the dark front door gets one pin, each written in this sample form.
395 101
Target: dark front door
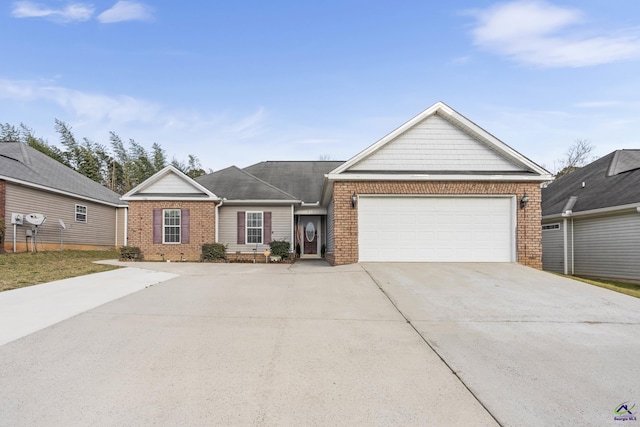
310 236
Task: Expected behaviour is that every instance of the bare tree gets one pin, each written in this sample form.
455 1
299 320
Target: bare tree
324 157
578 155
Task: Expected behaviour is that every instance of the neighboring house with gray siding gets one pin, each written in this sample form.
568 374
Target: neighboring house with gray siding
591 219
94 217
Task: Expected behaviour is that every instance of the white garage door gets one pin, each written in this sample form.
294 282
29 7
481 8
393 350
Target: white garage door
436 229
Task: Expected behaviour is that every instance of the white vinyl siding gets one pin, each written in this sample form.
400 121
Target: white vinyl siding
281 223
171 226
435 144
171 184
608 246
100 230
436 229
553 249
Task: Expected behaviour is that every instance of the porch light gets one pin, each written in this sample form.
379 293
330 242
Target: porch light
354 200
524 201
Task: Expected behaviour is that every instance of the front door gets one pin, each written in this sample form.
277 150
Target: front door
310 234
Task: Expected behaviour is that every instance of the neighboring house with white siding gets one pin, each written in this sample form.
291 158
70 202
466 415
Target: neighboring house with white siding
438 188
31 182
591 219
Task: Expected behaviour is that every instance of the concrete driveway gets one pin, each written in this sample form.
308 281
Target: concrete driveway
308 344
232 344
534 348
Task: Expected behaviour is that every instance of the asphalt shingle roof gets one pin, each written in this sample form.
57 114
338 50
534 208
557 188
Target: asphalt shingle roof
234 183
303 179
612 180
20 162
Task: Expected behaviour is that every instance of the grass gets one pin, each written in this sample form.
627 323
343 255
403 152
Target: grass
26 269
622 287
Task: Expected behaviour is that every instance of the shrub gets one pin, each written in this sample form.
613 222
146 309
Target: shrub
130 253
213 252
280 248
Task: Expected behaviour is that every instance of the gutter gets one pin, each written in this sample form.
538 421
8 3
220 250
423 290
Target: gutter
610 209
65 193
434 177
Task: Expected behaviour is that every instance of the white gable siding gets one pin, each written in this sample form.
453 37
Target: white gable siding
281 220
608 246
435 145
171 183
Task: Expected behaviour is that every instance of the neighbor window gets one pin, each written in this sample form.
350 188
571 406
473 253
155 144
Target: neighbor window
254 227
555 226
171 226
81 213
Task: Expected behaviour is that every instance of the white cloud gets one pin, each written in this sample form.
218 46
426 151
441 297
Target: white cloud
72 12
126 11
217 138
541 34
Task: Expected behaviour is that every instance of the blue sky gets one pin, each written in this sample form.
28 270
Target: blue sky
241 82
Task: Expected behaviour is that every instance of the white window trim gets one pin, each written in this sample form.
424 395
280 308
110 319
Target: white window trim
179 227
246 227
86 213
551 227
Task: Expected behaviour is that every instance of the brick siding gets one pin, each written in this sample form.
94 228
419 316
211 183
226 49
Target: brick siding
529 233
201 229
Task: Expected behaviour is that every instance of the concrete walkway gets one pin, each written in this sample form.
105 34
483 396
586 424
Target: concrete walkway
27 310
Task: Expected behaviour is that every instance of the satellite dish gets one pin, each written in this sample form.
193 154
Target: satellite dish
62 224
35 218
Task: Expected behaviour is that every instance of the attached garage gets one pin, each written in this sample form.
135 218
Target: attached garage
436 229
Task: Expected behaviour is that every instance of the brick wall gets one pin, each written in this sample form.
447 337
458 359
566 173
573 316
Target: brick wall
201 229
529 233
3 202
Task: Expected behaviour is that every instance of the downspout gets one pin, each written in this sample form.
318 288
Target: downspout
564 233
116 241
573 258
126 226
293 217
216 217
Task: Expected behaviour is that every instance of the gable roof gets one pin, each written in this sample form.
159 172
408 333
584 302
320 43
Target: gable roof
235 184
303 179
611 181
440 143
22 164
169 184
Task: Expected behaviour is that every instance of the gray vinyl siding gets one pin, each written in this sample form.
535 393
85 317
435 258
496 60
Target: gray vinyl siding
99 230
281 220
608 247
553 248
330 228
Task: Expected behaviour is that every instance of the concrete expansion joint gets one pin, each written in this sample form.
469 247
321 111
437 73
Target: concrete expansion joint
433 348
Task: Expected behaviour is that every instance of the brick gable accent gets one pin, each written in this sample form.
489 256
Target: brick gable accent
529 232
201 229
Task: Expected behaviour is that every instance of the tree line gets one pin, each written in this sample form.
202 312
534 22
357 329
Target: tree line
120 166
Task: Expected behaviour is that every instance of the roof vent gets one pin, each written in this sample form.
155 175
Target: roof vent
583 184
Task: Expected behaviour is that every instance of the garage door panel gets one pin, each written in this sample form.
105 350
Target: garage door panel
436 229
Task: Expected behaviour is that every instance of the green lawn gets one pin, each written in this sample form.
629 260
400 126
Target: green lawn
25 269
622 287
